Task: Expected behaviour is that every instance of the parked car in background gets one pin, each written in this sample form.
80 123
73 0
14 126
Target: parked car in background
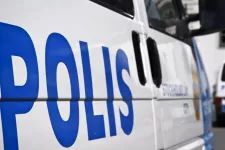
219 98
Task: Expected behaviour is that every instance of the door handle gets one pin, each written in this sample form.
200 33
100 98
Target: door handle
138 57
154 62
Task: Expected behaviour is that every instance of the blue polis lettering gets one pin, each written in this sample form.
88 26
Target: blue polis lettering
122 64
14 41
65 131
95 123
110 94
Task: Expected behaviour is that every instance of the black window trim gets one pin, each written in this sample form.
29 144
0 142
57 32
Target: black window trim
131 16
222 39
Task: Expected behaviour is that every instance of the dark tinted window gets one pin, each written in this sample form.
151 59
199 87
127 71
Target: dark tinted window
223 74
222 39
162 15
124 7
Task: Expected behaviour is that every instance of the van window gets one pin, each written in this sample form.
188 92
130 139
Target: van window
162 15
124 7
223 74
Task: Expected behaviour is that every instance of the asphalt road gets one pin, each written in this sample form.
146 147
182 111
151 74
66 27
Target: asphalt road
219 138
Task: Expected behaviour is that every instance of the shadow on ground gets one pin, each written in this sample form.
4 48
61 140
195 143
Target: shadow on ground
219 134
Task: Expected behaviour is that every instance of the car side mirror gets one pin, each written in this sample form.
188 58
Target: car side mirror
211 16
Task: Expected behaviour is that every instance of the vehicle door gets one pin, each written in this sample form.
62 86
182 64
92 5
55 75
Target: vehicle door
207 104
177 104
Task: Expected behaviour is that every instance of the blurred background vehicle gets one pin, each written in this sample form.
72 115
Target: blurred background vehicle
220 95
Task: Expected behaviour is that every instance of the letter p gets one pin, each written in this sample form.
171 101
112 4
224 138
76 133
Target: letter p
14 41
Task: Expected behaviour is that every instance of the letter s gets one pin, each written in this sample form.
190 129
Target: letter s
122 64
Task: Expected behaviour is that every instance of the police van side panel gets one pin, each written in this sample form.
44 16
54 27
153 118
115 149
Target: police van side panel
69 78
178 106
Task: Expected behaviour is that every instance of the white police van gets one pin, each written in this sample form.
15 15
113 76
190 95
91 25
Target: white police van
100 74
